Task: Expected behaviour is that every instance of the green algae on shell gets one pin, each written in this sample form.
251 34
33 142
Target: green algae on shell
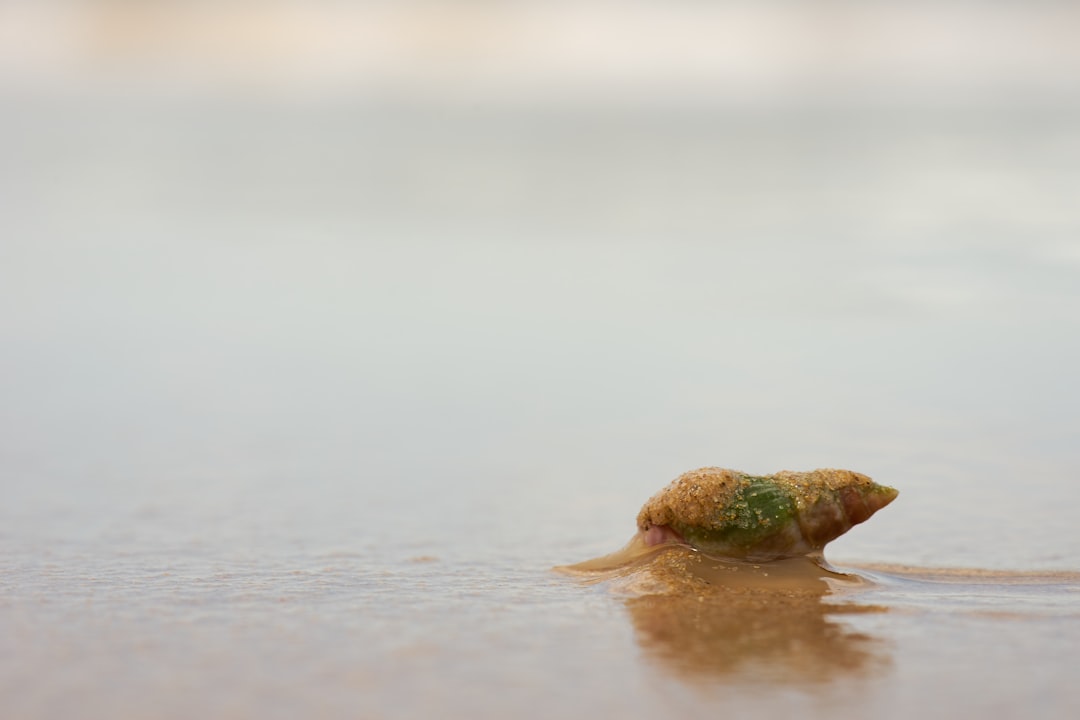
760 517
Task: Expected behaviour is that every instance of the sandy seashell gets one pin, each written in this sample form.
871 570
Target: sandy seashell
760 517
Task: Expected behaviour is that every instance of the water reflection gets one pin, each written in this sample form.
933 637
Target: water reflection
708 620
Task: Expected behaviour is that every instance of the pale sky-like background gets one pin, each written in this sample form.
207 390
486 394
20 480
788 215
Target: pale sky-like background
351 253
747 51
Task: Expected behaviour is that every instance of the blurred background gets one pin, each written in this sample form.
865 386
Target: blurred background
480 276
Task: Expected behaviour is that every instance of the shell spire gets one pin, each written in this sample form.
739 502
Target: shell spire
760 517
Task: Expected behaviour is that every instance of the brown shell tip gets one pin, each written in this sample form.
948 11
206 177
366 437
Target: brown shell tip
862 502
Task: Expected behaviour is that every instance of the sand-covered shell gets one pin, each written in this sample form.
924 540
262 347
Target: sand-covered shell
760 517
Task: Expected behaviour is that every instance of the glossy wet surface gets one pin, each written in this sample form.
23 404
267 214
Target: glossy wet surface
381 633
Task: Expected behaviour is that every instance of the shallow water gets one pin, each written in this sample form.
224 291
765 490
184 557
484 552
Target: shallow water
307 383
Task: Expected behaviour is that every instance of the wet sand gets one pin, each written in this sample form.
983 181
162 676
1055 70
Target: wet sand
706 620
701 617
353 634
